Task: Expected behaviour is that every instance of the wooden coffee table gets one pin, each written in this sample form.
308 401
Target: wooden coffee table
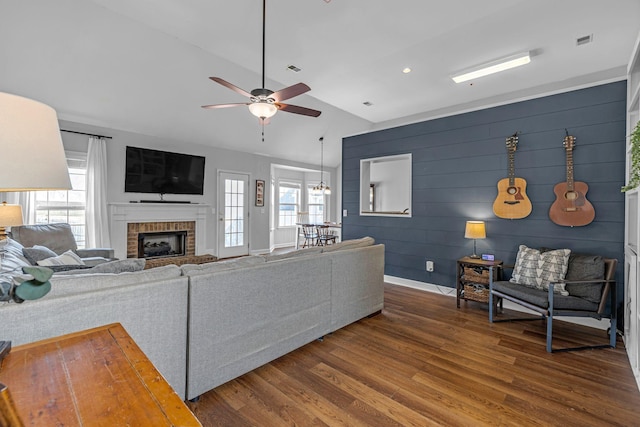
90 378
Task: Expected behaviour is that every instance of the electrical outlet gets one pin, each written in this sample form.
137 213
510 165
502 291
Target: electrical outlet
429 266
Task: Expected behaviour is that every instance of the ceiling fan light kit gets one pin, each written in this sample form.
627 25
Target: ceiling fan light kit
492 67
265 103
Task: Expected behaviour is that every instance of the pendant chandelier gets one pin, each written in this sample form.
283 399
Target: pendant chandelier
321 188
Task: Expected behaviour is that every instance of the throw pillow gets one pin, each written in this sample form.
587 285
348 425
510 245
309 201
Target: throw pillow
38 253
67 258
585 267
12 258
535 269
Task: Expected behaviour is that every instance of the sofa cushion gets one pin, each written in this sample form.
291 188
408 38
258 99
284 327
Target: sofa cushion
67 258
37 253
57 237
114 267
293 254
540 298
349 244
62 285
585 267
228 264
537 269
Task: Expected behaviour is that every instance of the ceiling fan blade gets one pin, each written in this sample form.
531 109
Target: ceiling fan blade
298 110
290 92
231 86
211 107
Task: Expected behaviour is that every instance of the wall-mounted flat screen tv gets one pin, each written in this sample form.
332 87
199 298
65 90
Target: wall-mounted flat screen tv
163 172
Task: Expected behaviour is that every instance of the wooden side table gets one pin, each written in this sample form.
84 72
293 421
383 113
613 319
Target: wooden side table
94 377
472 279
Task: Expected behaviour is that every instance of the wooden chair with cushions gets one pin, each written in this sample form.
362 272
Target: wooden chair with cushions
589 283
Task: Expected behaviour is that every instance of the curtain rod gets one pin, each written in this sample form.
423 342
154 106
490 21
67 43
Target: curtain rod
84 133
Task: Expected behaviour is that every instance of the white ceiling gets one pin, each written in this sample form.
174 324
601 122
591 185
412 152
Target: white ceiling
143 65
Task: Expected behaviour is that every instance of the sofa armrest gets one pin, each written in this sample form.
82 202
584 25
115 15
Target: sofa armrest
95 252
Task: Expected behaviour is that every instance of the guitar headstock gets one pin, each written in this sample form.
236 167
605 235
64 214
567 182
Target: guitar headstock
512 142
569 142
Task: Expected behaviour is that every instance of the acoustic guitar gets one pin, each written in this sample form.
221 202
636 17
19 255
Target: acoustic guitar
571 207
512 201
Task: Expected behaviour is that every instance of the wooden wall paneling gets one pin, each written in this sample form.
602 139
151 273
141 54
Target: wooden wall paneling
457 162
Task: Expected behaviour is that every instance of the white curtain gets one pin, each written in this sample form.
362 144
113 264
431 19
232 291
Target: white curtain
97 218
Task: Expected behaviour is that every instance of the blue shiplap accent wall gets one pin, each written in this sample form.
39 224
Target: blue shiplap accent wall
457 162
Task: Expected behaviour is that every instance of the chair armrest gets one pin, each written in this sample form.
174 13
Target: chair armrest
95 252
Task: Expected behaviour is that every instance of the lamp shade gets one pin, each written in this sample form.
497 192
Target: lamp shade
10 215
475 230
31 146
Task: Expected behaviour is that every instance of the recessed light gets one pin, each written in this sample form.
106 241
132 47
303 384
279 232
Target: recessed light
367 103
406 70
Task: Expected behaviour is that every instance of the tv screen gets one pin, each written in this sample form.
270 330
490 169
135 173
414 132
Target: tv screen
154 171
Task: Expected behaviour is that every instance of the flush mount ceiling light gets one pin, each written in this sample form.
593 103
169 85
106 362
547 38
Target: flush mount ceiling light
406 70
492 67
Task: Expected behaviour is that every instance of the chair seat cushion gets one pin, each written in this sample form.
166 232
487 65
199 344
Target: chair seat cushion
540 298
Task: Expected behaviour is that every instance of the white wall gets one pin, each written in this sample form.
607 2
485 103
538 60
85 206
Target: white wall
258 167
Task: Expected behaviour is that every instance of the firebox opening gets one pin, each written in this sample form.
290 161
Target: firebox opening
162 244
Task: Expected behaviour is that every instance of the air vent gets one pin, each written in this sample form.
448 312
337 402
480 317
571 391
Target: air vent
294 68
584 40
367 103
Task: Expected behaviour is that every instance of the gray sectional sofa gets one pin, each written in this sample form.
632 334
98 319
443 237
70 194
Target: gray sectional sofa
203 325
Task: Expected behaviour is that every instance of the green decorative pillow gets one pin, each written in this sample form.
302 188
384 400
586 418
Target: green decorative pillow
537 269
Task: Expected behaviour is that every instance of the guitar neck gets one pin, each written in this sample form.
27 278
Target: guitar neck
512 169
570 168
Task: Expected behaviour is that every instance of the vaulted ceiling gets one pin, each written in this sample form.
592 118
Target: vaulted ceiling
143 65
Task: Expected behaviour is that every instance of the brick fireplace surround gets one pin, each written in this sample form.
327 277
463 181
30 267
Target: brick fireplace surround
125 218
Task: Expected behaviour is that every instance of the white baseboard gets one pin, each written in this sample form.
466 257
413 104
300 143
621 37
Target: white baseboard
445 290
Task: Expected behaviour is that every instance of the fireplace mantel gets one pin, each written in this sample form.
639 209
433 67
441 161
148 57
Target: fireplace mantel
120 214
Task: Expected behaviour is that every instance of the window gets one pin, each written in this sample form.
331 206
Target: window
66 205
315 203
288 203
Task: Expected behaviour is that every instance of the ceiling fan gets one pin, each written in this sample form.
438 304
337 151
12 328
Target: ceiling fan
264 103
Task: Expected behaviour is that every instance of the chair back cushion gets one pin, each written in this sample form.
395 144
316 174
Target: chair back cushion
585 267
57 237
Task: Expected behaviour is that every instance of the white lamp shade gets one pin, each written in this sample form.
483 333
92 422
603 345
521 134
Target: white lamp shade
475 230
31 146
10 215
263 109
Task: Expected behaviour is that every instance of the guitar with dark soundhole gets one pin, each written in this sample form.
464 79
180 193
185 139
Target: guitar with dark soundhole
512 201
571 208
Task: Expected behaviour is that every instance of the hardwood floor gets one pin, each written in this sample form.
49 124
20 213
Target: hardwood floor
423 362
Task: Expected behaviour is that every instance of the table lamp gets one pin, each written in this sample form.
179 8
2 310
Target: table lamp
9 215
34 160
475 230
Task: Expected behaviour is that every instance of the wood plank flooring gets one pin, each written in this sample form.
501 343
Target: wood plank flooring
422 362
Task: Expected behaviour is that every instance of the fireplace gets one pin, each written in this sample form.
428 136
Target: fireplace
162 244
161 239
